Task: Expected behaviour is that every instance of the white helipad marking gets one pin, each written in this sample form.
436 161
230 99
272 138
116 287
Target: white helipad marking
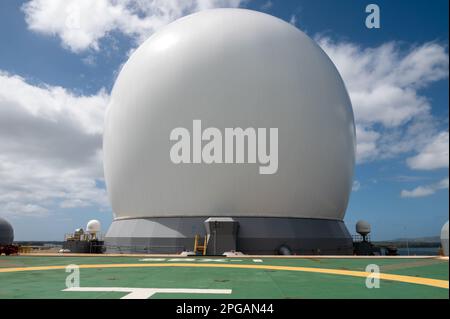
202 260
218 260
145 293
152 259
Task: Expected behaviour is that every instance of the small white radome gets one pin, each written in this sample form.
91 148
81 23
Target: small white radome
93 226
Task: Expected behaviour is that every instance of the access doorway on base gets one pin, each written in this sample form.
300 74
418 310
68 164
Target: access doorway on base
221 236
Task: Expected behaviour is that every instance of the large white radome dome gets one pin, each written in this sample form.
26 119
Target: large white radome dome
229 68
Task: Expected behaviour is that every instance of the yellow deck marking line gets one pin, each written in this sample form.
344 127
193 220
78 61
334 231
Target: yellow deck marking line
401 278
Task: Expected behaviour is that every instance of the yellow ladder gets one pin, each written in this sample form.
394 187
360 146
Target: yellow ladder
200 248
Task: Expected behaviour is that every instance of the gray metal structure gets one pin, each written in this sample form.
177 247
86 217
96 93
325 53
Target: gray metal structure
444 239
6 232
256 235
221 234
84 246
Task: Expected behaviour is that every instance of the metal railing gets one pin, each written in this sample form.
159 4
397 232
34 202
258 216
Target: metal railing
83 236
143 249
359 238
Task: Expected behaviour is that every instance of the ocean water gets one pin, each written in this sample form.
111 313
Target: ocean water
413 251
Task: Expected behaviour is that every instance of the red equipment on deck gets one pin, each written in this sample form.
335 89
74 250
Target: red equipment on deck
9 250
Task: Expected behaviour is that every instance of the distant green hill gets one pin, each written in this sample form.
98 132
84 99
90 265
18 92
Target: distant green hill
431 241
37 243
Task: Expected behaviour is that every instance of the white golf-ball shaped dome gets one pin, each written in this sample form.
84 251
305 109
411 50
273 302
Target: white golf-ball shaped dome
93 226
229 68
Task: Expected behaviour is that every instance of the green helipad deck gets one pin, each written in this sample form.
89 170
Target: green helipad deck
205 277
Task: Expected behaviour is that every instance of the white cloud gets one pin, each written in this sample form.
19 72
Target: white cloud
89 60
24 209
81 24
356 186
50 148
433 156
367 143
267 5
293 19
422 191
391 115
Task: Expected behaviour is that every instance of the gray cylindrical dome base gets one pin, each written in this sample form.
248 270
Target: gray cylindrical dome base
256 235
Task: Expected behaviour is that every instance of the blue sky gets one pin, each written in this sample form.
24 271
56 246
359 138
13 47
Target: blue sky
55 82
